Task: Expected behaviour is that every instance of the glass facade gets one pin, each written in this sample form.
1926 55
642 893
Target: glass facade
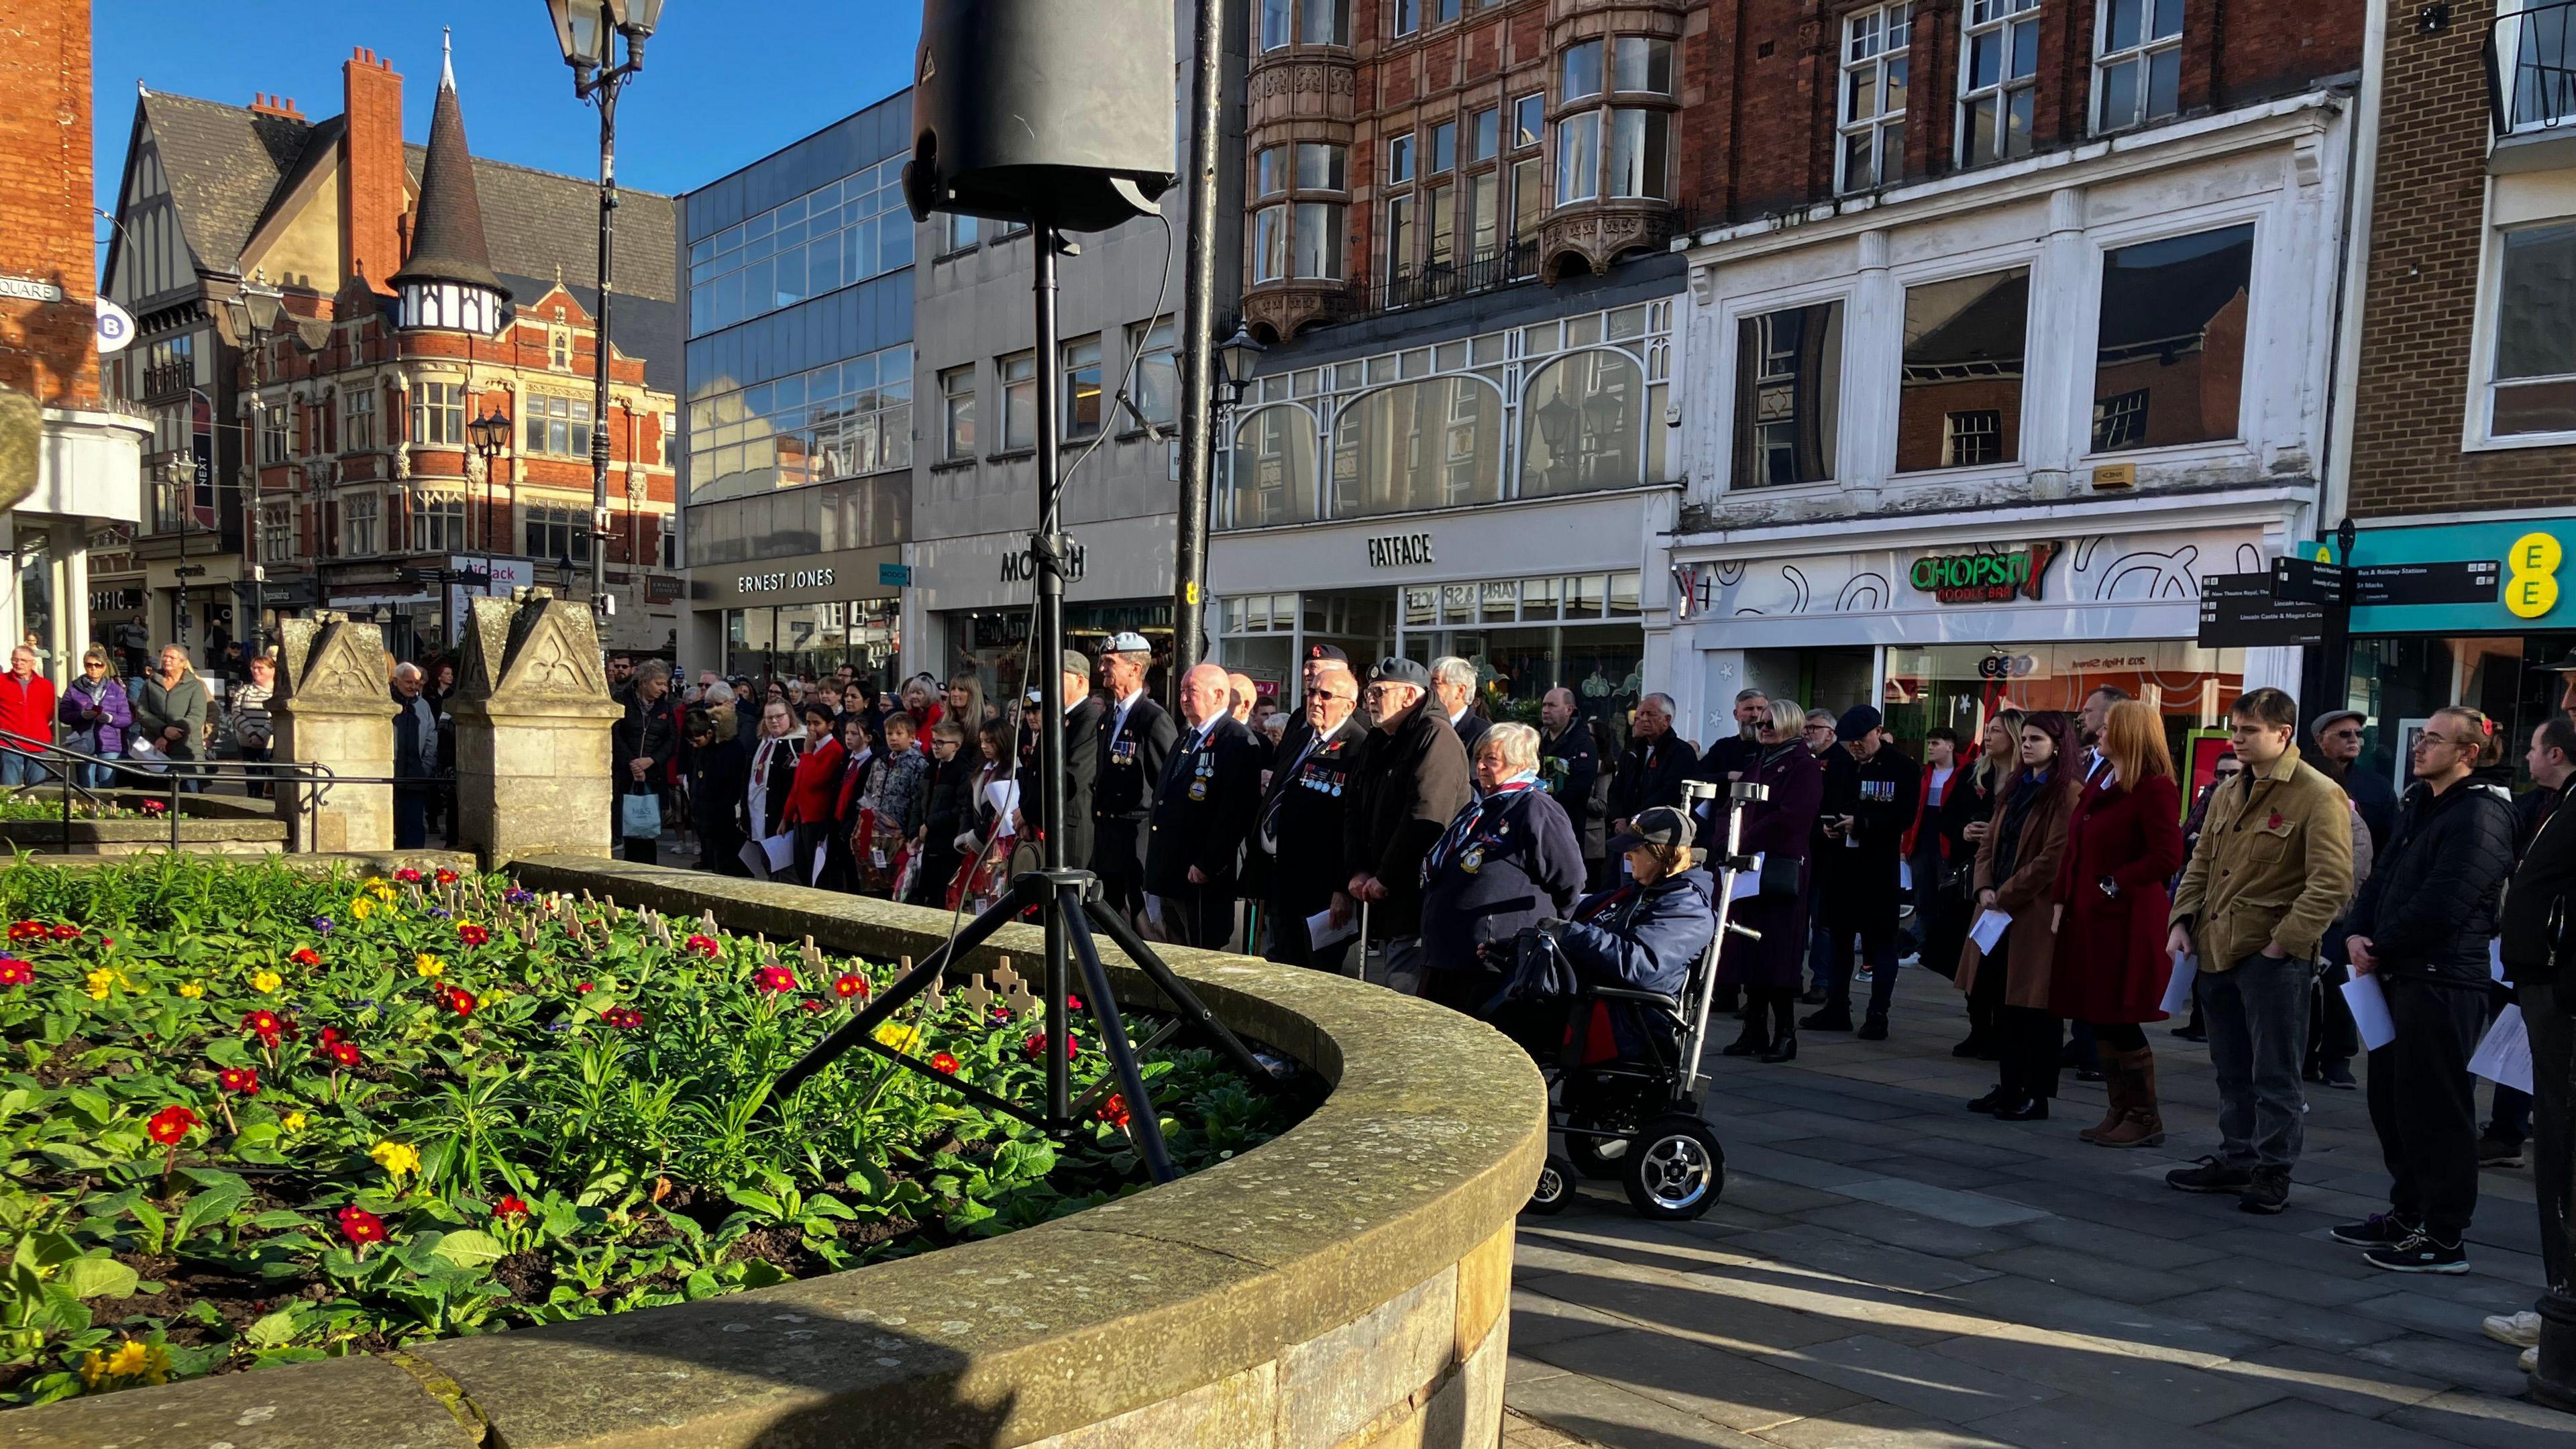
842 232
783 639
835 421
2398 680
1963 685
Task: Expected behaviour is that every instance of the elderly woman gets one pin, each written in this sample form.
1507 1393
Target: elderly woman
1778 829
1508 860
1643 934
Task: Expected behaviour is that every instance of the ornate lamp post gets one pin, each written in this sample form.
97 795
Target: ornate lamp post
587 30
1235 359
490 435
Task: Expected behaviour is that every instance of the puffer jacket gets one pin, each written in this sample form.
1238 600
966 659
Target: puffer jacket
1641 939
2432 905
2534 913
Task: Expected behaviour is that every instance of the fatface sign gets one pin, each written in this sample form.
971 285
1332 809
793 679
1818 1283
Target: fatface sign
1982 578
1399 550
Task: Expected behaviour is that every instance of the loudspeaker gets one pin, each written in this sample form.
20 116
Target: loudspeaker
1060 110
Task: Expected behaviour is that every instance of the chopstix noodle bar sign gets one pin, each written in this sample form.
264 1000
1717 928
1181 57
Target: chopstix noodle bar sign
1982 578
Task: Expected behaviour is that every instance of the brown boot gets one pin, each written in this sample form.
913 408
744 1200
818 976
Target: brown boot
2116 1088
2144 1126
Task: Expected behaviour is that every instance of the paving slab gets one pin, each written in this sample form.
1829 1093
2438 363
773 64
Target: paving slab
1860 1258
2332 1379
1912 1231
2126 1384
2102 1275
1874 1425
2486 1422
1912 1378
2146 1250
2150 1332
2079 1424
1721 1387
2299 1422
2484 1364
1607 1414
2256 1316
1946 1201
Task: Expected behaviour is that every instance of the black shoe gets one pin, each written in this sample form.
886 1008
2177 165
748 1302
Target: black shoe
2000 1096
2336 1075
1875 1029
1975 1046
1832 1018
2492 1153
2188 1034
2420 1253
2379 1230
1783 1050
2087 1074
2269 1192
2024 1108
1749 1044
1814 996
2209 1175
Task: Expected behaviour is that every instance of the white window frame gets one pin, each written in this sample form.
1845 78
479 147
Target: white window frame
357 414
1999 18
277 531
1019 400
2477 433
1155 348
1885 24
438 398
951 395
354 543
1076 356
2142 55
2508 57
276 439
438 505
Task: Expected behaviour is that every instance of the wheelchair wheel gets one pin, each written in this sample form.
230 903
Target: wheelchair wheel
1555 1188
1599 1158
1675 1168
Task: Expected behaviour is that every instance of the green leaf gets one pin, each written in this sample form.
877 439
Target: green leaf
757 1200
761 1273
281 1219
272 1331
100 1277
702 1284
214 1205
93 1104
467 1248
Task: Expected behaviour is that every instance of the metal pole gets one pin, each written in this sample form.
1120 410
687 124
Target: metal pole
1198 338
1046 549
608 85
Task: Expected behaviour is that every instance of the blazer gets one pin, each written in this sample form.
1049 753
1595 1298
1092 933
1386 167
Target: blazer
1203 807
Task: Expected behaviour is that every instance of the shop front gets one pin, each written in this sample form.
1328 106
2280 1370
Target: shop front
2458 613
1956 622
810 615
1536 595
972 597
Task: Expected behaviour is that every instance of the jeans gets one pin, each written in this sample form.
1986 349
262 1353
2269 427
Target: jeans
1820 942
2553 1091
96 777
16 769
2257 1015
2424 1105
2332 1038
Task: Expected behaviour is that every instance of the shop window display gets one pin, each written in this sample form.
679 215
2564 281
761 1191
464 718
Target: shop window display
2399 680
1962 686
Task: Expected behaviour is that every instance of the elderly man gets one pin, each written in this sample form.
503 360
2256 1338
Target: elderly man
1300 728
1082 717
26 718
1243 699
1651 770
1409 783
1569 767
1453 683
1302 818
1203 805
415 758
1134 737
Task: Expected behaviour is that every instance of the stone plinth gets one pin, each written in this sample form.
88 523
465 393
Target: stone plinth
334 708
532 719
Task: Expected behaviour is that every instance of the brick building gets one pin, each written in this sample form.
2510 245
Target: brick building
68 457
324 309
2462 391
2054 279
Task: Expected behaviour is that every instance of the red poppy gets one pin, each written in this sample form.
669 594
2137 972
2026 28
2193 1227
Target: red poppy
267 1025
360 1226
774 979
624 1018
445 876
343 1054
1036 1045
1114 1111
155 807
26 930
172 1124
14 972
407 876
702 944
240 1081
65 933
472 935
584 988
849 984
306 956
509 1207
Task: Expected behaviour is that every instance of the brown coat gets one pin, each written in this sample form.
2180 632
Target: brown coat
2027 895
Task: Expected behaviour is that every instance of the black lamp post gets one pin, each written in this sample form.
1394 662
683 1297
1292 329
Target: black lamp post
490 435
1235 359
587 30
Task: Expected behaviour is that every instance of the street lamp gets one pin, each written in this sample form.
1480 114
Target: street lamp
490 434
255 308
1236 356
587 32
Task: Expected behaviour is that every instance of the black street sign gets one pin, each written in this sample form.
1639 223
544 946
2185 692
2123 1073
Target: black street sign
2466 581
2238 611
2298 580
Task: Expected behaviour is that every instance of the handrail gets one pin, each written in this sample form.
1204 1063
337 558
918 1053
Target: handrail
299 773
2531 68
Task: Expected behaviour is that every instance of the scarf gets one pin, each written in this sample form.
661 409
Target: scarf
2027 789
1468 821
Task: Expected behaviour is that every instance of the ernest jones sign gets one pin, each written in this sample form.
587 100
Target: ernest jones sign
1982 578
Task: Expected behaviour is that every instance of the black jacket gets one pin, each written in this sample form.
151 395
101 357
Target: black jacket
1651 774
2534 933
2430 905
1130 760
1082 726
1302 818
783 755
649 732
1470 727
952 803
1203 805
718 775
1507 862
2375 799
1568 765
1407 785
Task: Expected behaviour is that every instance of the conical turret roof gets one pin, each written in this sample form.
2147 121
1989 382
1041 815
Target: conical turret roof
447 227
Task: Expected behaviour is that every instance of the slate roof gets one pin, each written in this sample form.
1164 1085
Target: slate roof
535 221
447 223
224 164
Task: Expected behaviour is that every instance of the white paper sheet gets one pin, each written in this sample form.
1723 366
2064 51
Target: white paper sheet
2369 1012
1905 875
2186 967
754 860
2504 1053
1154 911
1004 797
1323 935
1748 881
1989 929
2495 957
778 850
814 867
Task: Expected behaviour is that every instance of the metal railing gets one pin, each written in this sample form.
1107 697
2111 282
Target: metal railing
185 777
2531 68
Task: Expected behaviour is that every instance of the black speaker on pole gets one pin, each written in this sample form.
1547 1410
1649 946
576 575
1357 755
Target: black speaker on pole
1042 110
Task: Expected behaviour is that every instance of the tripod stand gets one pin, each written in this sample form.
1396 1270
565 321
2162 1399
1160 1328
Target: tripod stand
1066 898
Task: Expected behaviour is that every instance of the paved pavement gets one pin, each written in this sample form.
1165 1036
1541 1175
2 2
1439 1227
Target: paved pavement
1889 1271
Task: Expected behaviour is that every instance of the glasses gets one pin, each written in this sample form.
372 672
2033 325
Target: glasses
2429 738
1327 694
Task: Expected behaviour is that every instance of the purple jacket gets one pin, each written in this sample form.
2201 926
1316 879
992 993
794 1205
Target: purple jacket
107 737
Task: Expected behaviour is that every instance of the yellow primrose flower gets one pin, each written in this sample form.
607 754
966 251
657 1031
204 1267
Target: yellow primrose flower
901 1038
265 981
428 965
131 1360
380 889
395 1157
191 990
360 908
293 1122
100 983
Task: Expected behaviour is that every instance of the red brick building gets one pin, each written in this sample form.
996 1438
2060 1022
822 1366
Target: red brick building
327 309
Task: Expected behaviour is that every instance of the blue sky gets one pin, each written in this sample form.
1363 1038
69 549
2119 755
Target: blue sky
725 81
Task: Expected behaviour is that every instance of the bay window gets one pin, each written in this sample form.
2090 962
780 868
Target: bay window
1638 162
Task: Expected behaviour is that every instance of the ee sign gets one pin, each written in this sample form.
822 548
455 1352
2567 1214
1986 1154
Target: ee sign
2531 575
1982 578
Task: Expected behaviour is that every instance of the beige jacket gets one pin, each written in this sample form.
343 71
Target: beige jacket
2274 865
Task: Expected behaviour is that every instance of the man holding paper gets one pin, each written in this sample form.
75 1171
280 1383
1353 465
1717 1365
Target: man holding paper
2272 869
2421 929
1300 824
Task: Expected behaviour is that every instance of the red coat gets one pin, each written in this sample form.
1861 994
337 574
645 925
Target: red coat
818 780
27 710
2111 966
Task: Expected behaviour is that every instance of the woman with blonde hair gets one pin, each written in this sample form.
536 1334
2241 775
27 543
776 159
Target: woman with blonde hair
2123 845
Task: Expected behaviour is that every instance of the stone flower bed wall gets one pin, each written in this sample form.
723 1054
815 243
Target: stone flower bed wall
208 824
1342 1285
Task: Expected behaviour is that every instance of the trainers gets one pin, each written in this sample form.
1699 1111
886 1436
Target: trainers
2267 1192
1874 1029
2336 1075
2379 1230
2420 1253
2209 1175
2492 1153
2521 1330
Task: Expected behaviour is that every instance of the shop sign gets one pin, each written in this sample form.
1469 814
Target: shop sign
2242 611
1398 550
1982 578
115 601
1021 567
789 579
2500 577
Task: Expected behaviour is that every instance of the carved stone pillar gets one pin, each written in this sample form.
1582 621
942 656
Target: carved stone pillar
333 709
532 719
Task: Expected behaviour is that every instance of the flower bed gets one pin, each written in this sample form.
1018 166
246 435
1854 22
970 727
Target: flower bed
104 807
253 1116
